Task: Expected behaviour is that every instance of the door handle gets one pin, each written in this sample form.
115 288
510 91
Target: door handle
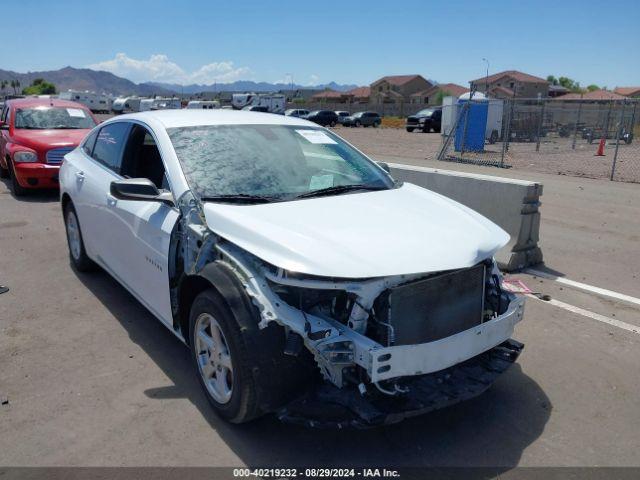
80 176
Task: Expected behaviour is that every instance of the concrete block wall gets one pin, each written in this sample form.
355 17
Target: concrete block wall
512 204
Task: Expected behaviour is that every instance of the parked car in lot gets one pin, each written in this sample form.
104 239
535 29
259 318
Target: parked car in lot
365 119
256 108
323 117
342 115
35 134
262 242
425 120
296 112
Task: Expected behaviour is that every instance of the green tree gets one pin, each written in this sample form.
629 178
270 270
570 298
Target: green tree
3 85
593 87
440 96
39 87
552 80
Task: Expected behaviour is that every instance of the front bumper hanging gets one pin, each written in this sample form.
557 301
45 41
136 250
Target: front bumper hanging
327 406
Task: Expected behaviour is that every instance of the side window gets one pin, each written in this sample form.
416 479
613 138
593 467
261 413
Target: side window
108 147
142 158
90 141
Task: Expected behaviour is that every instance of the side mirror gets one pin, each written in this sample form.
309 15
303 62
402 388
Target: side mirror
384 166
139 189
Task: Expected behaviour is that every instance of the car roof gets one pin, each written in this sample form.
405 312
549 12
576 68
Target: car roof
196 118
43 102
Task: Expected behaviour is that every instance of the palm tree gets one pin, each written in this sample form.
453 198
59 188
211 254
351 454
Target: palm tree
3 85
15 84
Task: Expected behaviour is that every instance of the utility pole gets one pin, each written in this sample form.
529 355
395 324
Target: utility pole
486 88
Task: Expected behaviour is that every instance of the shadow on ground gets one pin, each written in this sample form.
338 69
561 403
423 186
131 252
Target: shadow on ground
37 195
491 430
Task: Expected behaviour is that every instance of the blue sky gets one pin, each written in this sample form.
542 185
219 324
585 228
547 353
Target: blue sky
322 41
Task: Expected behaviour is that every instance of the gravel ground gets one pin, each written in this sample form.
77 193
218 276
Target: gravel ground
555 155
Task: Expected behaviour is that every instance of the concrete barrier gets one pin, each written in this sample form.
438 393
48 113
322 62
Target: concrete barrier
512 204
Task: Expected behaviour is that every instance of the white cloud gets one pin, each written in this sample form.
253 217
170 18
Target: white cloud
158 68
313 80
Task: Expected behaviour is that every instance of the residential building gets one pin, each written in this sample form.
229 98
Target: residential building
596 95
360 94
511 83
632 92
433 95
557 91
330 96
397 89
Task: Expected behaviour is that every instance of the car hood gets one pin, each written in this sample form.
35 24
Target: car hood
391 232
46 139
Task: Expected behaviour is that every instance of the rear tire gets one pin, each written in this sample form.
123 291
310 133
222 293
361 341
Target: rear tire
409 129
357 124
77 252
4 172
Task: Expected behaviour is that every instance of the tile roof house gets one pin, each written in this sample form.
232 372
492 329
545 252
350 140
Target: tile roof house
359 94
521 85
331 96
633 92
595 95
431 96
397 88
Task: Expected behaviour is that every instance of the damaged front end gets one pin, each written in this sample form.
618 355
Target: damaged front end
387 347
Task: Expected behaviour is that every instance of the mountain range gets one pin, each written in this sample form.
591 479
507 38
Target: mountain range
70 78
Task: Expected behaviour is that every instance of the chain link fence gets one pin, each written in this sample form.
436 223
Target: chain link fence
596 139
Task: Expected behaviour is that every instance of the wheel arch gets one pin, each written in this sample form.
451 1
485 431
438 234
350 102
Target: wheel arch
277 376
65 199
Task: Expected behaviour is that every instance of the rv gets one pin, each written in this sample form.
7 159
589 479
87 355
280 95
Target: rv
203 104
166 104
126 104
275 103
96 102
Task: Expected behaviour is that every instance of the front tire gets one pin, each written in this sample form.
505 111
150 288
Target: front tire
409 129
18 190
220 357
77 252
357 124
4 173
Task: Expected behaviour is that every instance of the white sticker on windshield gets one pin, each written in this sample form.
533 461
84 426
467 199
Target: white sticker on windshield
76 112
318 182
317 136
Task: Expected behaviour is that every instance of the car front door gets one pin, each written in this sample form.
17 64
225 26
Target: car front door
141 230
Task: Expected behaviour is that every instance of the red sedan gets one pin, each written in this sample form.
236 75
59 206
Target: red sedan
35 135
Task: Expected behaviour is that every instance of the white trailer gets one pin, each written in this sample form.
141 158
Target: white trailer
274 102
126 104
203 104
160 103
96 102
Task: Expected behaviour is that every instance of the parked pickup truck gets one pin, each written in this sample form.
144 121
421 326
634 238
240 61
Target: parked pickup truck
425 120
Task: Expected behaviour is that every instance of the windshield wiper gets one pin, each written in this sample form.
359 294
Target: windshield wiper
338 189
238 198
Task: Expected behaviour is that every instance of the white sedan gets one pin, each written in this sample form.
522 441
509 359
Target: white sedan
304 279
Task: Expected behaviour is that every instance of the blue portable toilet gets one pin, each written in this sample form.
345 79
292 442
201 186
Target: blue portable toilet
471 136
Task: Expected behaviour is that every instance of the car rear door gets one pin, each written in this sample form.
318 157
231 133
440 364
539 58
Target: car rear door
93 176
